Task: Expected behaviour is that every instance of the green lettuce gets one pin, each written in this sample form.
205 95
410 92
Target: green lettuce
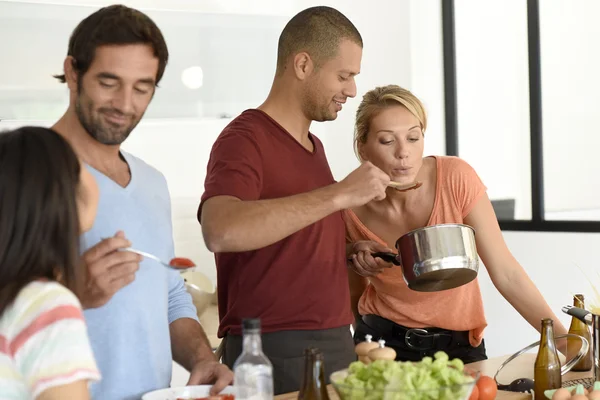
435 378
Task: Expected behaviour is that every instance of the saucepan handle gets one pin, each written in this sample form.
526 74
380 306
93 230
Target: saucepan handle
579 313
389 257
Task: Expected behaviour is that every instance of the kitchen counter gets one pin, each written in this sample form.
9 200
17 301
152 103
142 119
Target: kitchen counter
520 367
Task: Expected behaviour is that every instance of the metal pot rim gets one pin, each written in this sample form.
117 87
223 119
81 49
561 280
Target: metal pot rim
436 226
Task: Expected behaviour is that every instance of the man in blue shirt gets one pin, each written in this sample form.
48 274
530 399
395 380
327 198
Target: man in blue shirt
139 315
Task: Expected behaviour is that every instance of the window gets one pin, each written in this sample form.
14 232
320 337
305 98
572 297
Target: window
492 99
569 35
523 90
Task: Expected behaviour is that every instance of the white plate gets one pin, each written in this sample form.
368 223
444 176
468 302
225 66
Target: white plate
184 392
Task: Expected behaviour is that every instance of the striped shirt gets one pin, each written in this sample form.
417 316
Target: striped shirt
43 342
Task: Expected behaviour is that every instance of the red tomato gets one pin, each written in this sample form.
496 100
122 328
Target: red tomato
487 388
180 262
474 393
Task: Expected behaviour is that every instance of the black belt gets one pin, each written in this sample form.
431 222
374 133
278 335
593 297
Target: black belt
417 338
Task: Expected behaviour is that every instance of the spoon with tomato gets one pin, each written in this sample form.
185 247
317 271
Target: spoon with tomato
179 263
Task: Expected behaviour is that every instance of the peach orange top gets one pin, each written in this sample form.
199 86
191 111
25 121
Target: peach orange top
458 189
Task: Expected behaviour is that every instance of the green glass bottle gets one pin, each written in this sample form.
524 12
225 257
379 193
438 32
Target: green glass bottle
313 382
579 327
547 364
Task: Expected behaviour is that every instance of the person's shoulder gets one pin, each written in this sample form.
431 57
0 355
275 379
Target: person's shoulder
250 123
42 300
139 163
49 291
316 140
461 179
249 130
453 161
454 166
143 168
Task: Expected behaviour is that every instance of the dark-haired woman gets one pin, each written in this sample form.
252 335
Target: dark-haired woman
47 199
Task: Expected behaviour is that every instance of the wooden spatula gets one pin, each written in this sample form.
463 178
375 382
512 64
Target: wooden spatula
404 187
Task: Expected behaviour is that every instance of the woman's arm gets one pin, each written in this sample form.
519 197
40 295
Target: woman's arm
506 273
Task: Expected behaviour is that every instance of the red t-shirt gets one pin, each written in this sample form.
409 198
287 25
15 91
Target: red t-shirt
300 282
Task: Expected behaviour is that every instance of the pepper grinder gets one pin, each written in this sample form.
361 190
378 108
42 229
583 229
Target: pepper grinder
382 352
362 349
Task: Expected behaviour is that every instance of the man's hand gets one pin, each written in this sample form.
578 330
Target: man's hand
207 372
363 263
108 270
362 185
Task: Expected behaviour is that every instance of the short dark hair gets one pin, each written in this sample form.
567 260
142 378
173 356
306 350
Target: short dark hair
115 25
39 223
318 31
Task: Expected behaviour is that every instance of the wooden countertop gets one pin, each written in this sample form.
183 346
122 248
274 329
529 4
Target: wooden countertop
521 367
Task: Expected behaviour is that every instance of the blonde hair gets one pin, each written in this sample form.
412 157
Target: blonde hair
374 101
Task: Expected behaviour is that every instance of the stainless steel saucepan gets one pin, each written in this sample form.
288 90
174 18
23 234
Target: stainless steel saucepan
437 257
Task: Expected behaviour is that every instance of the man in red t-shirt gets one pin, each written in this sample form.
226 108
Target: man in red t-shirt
271 207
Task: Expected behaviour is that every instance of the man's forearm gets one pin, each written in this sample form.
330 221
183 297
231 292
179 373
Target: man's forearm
189 343
249 225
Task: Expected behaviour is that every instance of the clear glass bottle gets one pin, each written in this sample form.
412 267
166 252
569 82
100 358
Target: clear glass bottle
253 372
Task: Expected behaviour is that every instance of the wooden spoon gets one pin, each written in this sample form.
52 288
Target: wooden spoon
404 187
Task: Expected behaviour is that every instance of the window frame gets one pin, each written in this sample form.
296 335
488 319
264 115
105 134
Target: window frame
538 222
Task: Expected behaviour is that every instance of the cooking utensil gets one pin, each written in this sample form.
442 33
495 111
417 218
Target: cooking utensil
389 257
583 315
526 384
437 257
153 257
521 385
593 320
403 187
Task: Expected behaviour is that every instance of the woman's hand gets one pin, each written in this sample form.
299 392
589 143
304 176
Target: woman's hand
361 260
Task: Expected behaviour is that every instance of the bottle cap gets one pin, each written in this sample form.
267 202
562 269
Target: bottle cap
313 352
251 324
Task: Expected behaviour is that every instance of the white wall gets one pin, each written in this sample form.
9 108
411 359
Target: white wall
558 263
228 48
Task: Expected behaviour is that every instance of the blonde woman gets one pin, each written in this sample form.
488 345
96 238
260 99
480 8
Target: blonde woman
389 133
